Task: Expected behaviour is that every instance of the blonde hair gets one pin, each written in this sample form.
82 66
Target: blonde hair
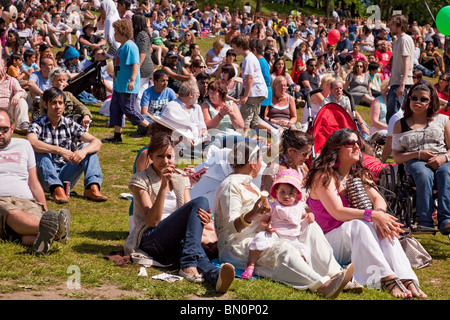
278 80
219 43
326 80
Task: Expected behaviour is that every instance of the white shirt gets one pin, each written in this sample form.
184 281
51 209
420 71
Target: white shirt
292 43
251 67
15 162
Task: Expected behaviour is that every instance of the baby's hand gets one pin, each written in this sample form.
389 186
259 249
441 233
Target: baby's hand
268 227
309 216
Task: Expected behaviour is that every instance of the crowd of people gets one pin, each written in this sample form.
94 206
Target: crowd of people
189 102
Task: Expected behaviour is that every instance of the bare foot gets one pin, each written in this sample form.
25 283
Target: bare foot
414 288
395 287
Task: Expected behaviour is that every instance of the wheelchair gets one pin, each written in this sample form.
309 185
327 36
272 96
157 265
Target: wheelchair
398 189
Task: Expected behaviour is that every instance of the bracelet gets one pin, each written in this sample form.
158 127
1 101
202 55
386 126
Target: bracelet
447 158
243 221
220 115
381 209
368 215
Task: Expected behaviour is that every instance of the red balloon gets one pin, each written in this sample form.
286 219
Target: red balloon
334 36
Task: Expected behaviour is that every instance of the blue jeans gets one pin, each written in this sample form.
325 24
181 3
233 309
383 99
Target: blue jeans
424 179
426 72
178 237
393 102
53 174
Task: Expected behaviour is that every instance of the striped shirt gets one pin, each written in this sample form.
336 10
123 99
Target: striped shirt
9 87
67 135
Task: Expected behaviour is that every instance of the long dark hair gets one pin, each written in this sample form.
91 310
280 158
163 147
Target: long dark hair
327 162
139 24
434 100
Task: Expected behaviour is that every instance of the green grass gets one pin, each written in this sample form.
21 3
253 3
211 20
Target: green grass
100 228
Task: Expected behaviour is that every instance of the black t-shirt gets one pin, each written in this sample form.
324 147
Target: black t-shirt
314 79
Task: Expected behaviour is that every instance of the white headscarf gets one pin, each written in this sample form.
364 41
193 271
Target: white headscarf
111 16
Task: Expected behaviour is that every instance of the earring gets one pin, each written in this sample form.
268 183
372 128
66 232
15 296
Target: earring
336 164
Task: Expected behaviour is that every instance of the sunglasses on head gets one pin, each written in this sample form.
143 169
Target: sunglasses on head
4 129
350 143
422 99
304 153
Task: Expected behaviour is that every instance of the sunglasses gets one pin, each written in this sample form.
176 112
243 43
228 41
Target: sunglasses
304 153
202 67
4 129
422 99
350 143
359 66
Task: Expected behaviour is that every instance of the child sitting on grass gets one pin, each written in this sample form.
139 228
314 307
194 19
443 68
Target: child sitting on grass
14 63
29 65
285 220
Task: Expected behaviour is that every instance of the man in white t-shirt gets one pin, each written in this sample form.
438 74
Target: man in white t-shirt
255 88
23 207
59 32
292 43
402 64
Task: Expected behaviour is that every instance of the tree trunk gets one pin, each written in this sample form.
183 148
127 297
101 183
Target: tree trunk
258 5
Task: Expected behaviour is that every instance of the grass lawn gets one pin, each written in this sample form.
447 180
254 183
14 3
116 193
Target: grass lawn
100 228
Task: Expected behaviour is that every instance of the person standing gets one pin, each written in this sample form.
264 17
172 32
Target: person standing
255 89
402 64
126 82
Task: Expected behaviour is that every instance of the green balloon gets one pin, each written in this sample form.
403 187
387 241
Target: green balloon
443 21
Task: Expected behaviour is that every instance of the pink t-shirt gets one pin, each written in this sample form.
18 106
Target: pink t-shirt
286 219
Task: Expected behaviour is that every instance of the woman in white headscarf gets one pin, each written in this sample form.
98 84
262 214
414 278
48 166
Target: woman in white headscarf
109 12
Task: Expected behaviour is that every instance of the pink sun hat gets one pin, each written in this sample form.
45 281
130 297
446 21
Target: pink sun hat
290 176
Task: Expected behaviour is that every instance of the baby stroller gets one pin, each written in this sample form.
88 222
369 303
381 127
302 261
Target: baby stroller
330 118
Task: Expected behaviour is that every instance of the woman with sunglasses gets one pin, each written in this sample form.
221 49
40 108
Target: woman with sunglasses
421 140
295 150
358 84
366 238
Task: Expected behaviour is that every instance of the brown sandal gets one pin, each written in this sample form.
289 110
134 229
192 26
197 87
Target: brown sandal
390 284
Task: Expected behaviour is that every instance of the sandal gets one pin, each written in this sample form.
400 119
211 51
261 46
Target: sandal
390 284
420 294
248 273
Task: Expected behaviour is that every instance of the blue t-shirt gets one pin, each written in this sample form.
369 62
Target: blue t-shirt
42 83
352 28
344 44
26 67
157 101
125 57
265 69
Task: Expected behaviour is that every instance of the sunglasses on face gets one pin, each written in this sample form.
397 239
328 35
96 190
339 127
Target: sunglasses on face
4 129
422 99
360 66
350 143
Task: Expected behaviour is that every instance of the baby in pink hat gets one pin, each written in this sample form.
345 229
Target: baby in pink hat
284 221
